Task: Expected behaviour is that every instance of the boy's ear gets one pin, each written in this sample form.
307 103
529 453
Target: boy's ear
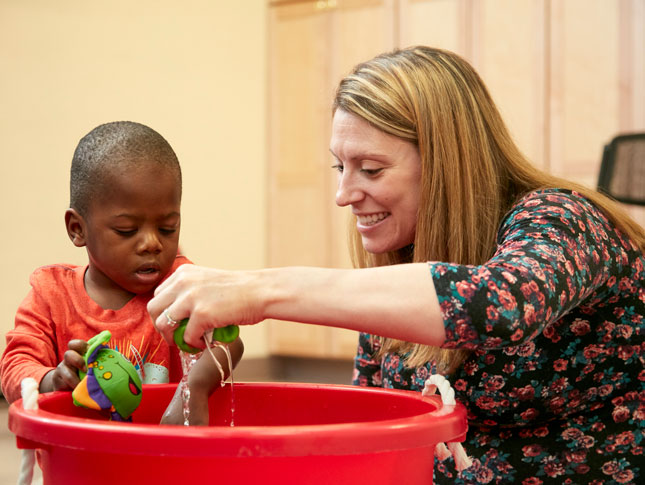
75 225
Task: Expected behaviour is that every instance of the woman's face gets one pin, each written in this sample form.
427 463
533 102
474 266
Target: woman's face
379 176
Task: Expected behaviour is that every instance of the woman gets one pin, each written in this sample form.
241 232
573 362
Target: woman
526 290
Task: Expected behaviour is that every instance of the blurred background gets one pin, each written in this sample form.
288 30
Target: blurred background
242 91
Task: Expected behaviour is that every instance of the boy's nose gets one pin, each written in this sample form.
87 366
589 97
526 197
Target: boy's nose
150 243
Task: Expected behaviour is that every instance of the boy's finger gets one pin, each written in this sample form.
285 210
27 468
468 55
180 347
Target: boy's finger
73 359
71 379
64 378
77 345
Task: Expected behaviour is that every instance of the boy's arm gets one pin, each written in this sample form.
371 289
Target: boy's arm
31 347
203 379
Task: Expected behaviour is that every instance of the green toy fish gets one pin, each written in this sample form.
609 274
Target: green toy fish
111 382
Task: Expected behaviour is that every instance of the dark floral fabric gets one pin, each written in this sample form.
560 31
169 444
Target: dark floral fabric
555 383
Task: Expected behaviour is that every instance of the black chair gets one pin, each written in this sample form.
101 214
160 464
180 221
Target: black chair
622 171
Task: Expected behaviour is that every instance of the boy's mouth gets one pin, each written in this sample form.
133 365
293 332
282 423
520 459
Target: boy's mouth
148 274
148 269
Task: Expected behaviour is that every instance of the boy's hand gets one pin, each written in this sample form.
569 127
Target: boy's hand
204 378
65 376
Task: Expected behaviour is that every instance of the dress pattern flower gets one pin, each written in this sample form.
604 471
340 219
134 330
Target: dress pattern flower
555 382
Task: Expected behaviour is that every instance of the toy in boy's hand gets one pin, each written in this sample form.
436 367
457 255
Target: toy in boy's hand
111 382
223 334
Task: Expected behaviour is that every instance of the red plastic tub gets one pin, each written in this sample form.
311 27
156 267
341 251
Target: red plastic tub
284 433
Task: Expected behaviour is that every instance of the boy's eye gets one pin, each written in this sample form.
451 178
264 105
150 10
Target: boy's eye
167 230
125 232
338 167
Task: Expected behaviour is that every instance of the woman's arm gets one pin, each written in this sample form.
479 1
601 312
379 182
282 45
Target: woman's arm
393 301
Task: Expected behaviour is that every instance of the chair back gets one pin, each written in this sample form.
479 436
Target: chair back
622 171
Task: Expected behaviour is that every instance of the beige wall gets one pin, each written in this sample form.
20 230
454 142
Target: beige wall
194 71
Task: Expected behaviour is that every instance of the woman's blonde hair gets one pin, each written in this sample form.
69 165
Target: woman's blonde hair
472 171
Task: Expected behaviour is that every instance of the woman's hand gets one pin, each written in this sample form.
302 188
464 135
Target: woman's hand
210 298
65 376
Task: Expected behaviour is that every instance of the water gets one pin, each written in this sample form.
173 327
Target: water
227 351
188 361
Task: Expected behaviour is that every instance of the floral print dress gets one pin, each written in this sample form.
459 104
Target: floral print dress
555 383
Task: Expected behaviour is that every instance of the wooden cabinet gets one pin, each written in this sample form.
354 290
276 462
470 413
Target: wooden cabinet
312 44
567 77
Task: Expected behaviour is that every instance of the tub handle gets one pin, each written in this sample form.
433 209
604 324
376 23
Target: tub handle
437 381
447 393
29 392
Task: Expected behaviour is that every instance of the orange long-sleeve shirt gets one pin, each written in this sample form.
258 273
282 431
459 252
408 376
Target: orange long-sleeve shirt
58 309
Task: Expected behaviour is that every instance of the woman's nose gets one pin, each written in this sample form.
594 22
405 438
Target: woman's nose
348 191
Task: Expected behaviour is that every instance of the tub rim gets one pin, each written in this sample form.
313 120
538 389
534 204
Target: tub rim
44 429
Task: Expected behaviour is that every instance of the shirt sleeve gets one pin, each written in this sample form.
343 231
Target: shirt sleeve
367 369
31 346
552 255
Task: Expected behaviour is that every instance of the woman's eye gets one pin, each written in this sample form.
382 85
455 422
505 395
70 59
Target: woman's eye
338 168
371 171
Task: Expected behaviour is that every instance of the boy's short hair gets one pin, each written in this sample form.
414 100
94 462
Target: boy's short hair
110 145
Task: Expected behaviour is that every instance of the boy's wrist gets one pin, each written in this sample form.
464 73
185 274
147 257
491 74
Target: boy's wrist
47 382
201 392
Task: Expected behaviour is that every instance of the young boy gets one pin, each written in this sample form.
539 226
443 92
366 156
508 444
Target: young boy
125 210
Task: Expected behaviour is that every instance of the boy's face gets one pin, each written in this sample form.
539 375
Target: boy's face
131 230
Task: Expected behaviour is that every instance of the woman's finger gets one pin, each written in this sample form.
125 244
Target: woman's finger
171 280
161 300
167 293
166 324
196 328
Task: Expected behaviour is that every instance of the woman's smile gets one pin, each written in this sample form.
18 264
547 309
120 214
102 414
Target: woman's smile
371 219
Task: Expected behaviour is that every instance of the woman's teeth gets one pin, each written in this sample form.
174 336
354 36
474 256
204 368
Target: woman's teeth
372 218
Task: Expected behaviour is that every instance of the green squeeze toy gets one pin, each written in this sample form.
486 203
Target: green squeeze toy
223 334
111 382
